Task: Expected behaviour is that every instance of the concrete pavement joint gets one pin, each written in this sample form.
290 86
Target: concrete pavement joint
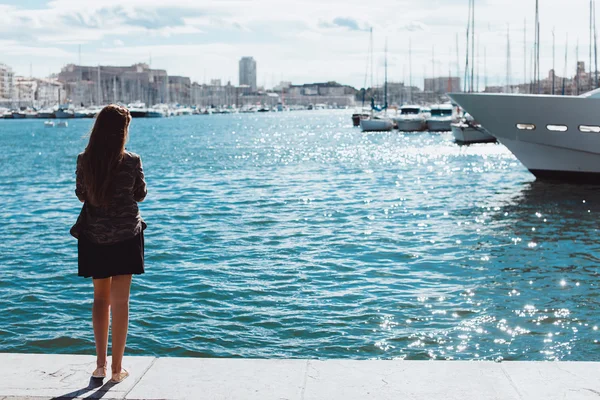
305 379
512 383
593 391
140 378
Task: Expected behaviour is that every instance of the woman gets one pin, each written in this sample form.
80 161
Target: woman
110 230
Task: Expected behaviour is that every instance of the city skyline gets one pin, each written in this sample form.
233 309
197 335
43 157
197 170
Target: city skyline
297 43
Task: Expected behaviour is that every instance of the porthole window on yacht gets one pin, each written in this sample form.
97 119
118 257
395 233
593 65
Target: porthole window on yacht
557 128
526 127
589 128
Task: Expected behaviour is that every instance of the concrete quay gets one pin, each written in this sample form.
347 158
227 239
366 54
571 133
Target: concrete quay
46 376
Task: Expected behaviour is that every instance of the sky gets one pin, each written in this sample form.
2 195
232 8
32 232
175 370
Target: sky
299 41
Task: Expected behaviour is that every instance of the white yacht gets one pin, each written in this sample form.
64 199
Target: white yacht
376 124
467 131
441 118
158 111
137 109
555 137
410 119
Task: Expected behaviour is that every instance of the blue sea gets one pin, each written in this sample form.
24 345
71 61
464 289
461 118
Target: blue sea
295 235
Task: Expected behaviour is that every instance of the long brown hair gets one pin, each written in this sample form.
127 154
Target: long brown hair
104 153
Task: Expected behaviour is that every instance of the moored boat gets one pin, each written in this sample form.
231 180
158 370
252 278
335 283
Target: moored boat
410 119
64 113
376 124
18 115
467 132
441 118
157 112
81 113
357 116
46 114
555 137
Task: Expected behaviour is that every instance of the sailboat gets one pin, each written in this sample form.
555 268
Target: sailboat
378 123
467 130
363 112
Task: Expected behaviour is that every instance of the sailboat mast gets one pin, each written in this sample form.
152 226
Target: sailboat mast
367 68
485 79
385 103
577 73
590 78
508 59
372 88
553 61
538 45
410 68
477 74
525 51
566 64
433 85
472 43
535 45
595 48
457 60
467 85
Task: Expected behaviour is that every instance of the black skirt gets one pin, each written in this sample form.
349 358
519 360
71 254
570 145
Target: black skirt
105 260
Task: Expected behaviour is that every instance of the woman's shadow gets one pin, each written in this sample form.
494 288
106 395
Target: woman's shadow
95 383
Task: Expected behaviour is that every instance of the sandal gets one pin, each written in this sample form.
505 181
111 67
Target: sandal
99 373
120 376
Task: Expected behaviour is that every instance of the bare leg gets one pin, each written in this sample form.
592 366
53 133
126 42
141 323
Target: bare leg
119 300
100 318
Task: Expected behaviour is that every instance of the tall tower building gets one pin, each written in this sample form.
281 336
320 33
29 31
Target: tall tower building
248 72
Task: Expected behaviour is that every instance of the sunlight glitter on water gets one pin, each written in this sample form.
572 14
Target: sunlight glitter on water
295 235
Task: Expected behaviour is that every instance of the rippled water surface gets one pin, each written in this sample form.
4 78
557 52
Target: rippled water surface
296 235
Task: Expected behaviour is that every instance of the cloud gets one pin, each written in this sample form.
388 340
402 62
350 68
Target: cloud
349 23
343 22
307 40
415 26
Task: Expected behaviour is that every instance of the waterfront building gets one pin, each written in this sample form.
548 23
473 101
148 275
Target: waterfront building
6 82
49 92
99 85
248 72
442 85
331 93
180 90
24 92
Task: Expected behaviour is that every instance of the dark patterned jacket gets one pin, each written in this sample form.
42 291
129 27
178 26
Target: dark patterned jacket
121 219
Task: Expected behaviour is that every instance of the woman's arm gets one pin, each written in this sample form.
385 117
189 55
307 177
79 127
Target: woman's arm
139 187
79 186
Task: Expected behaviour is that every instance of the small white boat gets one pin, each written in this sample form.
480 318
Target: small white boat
81 113
376 124
62 124
63 113
441 118
49 124
411 119
156 113
466 133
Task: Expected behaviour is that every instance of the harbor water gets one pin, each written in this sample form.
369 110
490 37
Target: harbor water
295 235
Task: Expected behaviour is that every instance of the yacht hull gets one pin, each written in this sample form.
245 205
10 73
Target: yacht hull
569 155
410 125
376 125
467 134
439 125
60 114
